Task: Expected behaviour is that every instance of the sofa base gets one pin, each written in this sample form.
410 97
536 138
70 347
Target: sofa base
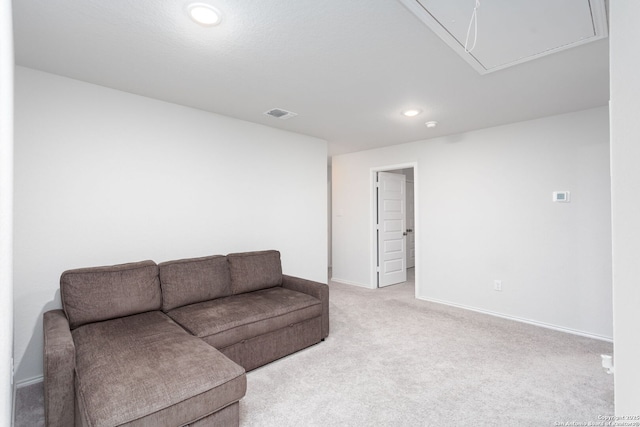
226 417
263 349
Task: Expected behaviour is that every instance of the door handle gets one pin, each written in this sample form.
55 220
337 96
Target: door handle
404 234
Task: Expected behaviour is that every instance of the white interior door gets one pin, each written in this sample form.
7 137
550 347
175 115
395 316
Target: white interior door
392 254
411 237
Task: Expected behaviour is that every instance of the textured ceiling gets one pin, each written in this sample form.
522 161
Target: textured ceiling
346 67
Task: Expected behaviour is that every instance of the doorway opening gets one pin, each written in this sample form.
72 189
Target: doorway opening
395 243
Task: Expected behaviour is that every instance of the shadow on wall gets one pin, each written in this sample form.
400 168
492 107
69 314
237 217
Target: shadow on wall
454 139
37 337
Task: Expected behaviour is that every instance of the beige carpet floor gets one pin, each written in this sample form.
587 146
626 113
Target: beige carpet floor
392 360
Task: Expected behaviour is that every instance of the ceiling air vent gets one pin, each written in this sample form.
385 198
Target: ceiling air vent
279 113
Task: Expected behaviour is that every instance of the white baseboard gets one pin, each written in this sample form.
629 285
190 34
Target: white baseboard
348 282
521 320
29 381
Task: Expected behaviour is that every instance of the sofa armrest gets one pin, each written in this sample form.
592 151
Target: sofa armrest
59 365
315 289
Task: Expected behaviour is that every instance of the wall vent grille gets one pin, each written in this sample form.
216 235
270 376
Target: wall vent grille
281 114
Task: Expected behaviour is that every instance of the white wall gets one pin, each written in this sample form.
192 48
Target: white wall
625 153
484 212
6 211
105 177
329 215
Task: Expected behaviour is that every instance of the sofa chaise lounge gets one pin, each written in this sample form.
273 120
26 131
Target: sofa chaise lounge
146 344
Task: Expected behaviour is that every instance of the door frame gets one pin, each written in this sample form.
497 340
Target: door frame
373 211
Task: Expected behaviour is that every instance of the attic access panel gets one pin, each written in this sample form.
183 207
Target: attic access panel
512 31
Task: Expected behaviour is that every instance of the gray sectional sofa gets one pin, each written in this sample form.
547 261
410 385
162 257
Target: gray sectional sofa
146 344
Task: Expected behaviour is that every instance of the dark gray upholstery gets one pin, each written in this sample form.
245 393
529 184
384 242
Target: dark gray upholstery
252 271
188 281
225 417
59 363
145 370
258 351
316 290
102 293
113 358
226 321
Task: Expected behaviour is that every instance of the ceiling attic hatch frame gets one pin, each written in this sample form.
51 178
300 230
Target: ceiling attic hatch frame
511 32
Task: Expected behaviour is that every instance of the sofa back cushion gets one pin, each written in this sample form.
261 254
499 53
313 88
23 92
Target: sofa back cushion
252 271
189 281
102 293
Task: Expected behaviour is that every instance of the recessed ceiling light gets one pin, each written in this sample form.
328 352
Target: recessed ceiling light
411 113
431 124
204 14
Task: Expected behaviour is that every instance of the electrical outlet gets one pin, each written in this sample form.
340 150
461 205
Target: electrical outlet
497 285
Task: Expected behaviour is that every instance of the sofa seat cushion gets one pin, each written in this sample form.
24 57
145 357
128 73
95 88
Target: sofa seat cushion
146 370
226 321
